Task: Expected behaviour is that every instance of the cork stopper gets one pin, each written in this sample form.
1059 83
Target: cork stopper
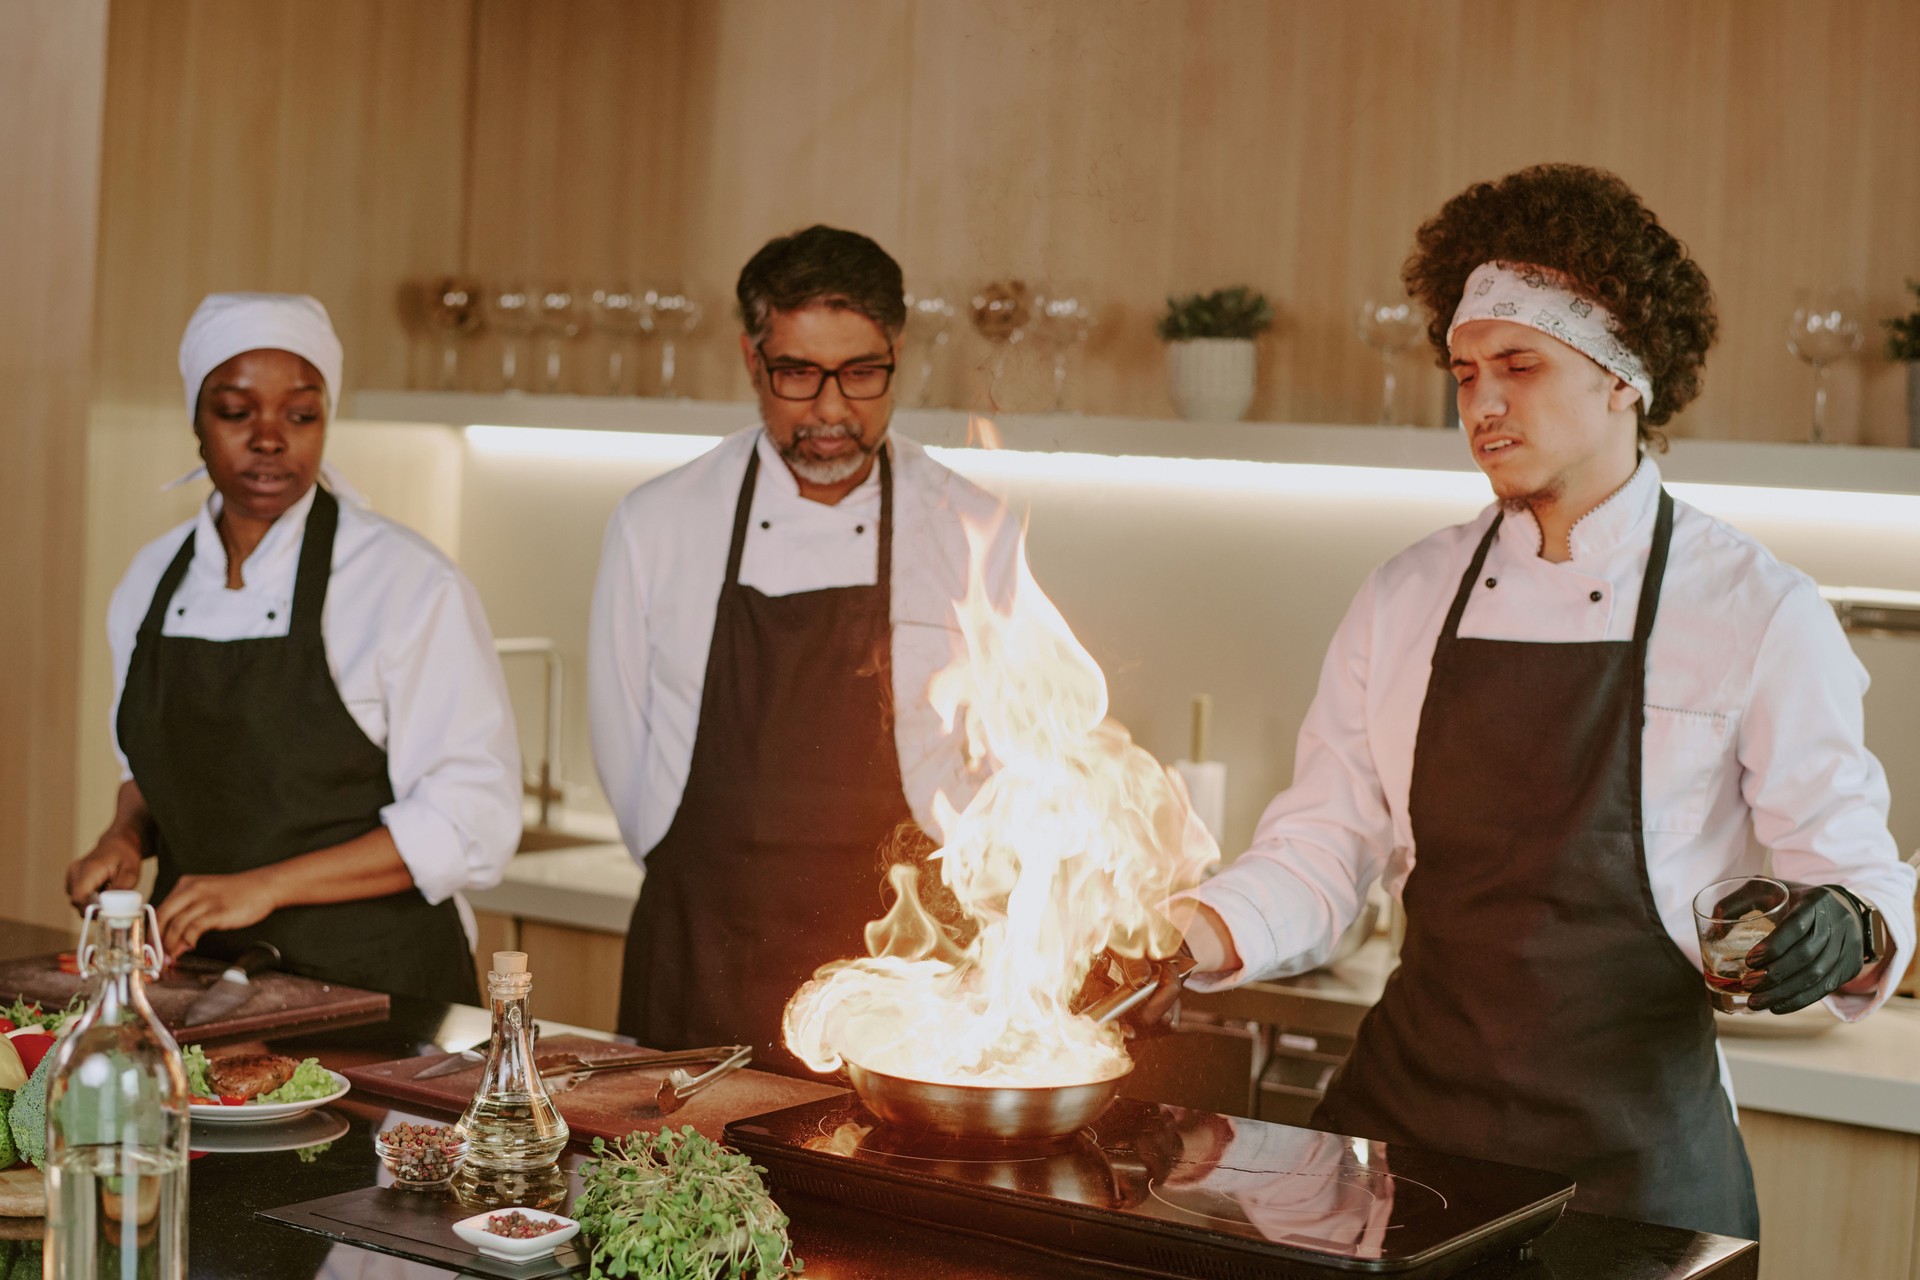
509 962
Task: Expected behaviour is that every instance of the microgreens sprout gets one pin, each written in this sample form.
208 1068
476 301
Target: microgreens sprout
681 1207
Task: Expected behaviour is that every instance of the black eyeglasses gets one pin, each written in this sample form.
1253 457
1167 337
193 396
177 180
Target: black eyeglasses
862 380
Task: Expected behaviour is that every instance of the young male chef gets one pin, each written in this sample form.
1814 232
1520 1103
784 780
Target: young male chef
314 728
1550 727
766 622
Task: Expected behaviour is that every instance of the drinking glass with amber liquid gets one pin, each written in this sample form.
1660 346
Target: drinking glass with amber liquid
1733 917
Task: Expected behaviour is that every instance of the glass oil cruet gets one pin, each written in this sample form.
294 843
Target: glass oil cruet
117 1115
511 1122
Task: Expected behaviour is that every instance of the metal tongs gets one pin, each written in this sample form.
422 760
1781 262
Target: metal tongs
1130 995
566 1068
679 1085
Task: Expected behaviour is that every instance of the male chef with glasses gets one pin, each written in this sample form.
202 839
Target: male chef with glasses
765 625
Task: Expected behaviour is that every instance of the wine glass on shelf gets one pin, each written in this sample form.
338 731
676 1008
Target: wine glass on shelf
1389 323
510 314
929 316
453 309
675 315
621 315
1062 319
1002 313
556 316
1824 327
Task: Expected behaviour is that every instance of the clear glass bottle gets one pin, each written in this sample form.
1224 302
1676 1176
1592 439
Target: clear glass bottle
117 1116
511 1122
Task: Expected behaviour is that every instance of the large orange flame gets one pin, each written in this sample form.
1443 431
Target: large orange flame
1074 844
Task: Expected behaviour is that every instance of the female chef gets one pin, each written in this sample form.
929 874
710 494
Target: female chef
316 743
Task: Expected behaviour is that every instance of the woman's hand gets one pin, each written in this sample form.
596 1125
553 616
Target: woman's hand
201 904
114 863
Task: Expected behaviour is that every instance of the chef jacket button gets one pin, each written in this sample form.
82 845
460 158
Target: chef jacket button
859 528
1595 597
1493 582
181 612
766 524
271 615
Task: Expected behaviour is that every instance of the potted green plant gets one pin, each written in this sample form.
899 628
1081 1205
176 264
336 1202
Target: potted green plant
1210 351
1903 345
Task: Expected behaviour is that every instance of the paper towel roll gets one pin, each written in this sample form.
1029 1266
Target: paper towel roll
1207 784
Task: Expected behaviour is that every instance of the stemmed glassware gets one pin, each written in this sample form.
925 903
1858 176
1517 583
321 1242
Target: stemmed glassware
622 316
1824 327
674 317
1389 323
453 309
929 316
557 318
1002 313
1062 320
510 314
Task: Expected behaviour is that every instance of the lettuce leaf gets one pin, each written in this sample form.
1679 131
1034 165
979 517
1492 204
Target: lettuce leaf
310 1080
194 1060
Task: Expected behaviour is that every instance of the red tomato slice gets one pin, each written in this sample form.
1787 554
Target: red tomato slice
69 962
232 1100
32 1047
6 1025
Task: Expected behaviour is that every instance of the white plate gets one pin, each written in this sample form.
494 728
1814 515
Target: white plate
261 1112
474 1231
309 1130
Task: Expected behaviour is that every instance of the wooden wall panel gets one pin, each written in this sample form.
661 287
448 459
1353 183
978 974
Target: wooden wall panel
52 64
307 145
1176 144
578 114
1835 1199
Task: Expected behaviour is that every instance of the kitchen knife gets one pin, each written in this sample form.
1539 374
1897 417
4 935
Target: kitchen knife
234 987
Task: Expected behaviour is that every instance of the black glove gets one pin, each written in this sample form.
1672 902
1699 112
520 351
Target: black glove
1819 947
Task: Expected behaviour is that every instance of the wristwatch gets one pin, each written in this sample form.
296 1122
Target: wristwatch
1872 928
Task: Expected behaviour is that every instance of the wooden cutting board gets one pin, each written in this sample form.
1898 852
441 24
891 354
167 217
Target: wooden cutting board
610 1105
281 1003
23 1193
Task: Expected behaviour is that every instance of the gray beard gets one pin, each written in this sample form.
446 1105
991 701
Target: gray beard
832 470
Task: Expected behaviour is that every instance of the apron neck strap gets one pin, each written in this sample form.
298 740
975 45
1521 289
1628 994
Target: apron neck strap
316 563
1655 575
1467 580
1649 584
169 583
743 511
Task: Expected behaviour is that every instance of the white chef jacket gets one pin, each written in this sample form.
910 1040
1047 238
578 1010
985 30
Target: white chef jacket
1753 741
410 651
661 569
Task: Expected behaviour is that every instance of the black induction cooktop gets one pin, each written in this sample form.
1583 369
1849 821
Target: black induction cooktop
1171 1192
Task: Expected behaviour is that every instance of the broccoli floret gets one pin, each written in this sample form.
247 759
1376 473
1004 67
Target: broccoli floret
27 1119
27 1263
7 1154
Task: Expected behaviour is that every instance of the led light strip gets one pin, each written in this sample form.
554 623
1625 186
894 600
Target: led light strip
1729 502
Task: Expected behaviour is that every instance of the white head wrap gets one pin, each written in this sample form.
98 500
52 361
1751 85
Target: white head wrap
226 324
1540 299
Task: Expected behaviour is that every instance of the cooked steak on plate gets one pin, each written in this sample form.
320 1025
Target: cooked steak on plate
248 1075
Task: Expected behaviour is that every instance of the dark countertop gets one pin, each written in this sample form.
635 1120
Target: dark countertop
227 1240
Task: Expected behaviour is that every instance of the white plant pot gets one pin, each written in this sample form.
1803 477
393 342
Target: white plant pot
1211 379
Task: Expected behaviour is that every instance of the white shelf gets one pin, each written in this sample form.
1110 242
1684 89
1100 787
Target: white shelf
1841 468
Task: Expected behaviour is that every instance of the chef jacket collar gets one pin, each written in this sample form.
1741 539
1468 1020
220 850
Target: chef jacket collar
1603 529
774 471
277 548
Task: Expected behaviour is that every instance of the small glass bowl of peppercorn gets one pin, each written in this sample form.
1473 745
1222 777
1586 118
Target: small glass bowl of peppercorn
421 1155
515 1233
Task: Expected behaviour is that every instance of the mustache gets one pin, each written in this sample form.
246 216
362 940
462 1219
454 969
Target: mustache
826 431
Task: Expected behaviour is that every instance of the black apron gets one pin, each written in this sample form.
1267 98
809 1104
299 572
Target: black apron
246 756
774 861
1541 1014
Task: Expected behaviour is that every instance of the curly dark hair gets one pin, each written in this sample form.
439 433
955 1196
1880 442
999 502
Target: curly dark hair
821 266
1590 227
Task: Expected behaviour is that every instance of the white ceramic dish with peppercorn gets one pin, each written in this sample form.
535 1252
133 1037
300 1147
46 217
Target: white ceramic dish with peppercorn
421 1155
477 1231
